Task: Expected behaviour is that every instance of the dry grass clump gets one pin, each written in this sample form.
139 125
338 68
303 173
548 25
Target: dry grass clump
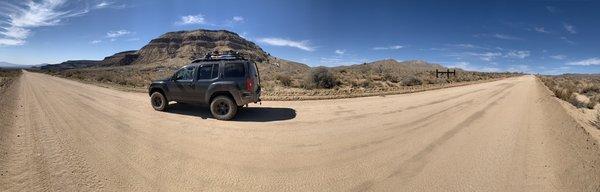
572 88
7 75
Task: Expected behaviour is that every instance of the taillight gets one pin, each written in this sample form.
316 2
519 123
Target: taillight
249 84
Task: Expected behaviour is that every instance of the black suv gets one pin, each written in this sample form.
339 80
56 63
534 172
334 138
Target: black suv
224 82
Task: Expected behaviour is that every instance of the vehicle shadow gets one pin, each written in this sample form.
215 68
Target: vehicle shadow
248 114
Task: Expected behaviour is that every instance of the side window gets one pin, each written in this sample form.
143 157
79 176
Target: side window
234 70
215 71
185 74
204 72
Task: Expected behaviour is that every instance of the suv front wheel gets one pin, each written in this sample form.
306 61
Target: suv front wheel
158 101
223 108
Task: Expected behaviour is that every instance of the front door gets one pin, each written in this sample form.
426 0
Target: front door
182 84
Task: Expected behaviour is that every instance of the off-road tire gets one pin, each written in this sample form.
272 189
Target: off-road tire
223 108
158 101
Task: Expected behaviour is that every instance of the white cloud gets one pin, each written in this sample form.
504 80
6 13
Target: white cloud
16 21
518 54
565 39
552 9
557 70
520 68
15 32
96 41
103 4
466 45
119 33
238 19
541 30
108 4
340 52
393 47
586 62
304 45
467 66
558 57
9 42
487 56
505 37
570 28
191 20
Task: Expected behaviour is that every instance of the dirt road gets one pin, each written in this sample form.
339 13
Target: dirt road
507 135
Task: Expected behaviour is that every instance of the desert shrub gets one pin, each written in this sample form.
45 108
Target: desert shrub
391 77
411 81
367 83
320 77
590 88
285 80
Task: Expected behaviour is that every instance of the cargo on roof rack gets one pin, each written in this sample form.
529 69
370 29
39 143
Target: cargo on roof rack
215 56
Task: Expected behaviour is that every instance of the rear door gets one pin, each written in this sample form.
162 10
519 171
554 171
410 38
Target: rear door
235 72
255 75
206 75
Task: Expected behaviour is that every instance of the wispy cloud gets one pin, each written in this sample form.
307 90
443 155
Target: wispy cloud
586 62
498 36
191 20
96 41
340 52
570 28
556 70
6 41
505 37
520 68
468 46
467 66
108 4
17 20
274 41
119 33
238 19
565 39
393 47
518 54
552 9
558 57
541 30
486 56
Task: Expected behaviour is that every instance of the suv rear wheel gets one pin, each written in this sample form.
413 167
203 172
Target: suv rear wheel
158 101
223 108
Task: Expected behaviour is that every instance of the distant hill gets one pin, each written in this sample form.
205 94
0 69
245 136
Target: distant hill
396 66
10 65
181 47
71 64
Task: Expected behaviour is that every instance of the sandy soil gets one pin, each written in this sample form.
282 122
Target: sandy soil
507 135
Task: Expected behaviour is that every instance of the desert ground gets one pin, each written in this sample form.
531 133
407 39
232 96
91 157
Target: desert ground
506 135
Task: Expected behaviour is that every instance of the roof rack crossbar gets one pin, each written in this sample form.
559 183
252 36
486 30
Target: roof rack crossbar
215 56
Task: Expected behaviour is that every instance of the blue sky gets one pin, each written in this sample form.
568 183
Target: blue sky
531 36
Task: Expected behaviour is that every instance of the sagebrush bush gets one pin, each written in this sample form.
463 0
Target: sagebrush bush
320 77
285 80
411 81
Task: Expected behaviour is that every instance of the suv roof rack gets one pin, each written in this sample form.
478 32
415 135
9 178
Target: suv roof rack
215 56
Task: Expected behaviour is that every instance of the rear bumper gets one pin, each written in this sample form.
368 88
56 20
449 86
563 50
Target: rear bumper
250 98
